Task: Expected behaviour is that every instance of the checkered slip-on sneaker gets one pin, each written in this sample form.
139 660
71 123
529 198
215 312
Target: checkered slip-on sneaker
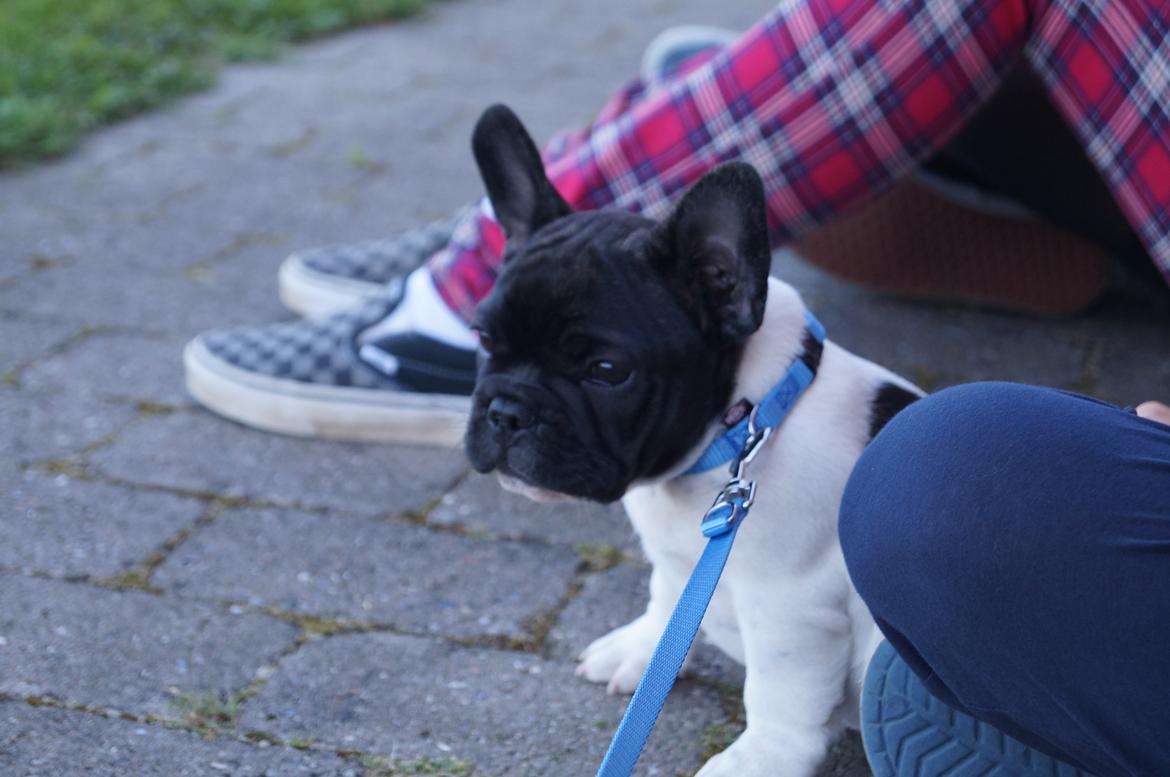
325 280
909 733
320 378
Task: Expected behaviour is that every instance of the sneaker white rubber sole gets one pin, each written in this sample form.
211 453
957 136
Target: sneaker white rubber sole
680 41
310 293
329 412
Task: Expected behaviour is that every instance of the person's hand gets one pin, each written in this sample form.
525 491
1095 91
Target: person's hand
1155 411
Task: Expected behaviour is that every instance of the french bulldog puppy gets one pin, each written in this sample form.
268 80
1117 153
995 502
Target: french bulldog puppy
613 345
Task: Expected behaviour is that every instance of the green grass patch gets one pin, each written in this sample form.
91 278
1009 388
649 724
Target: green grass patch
439 767
598 557
67 66
716 738
207 711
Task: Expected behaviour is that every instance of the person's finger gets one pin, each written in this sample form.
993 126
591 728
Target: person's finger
1155 411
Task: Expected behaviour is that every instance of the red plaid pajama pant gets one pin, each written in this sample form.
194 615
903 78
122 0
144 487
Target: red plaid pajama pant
831 100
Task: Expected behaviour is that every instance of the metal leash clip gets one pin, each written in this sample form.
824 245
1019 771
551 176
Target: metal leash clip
737 496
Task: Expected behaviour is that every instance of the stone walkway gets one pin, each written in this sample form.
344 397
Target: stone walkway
180 595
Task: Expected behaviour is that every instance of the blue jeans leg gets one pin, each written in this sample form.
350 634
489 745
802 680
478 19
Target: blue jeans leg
1013 544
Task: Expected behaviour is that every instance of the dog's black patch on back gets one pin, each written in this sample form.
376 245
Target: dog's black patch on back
810 350
887 402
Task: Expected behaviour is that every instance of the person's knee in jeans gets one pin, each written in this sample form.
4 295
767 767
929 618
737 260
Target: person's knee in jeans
909 527
1000 535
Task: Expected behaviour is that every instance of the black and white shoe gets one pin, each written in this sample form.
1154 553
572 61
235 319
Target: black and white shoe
325 280
336 377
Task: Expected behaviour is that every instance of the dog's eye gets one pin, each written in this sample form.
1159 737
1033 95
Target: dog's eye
485 341
605 371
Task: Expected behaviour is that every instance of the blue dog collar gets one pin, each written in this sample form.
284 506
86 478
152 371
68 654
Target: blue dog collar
772 409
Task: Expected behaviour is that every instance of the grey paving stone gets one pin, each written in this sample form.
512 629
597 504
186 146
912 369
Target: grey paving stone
64 527
11 271
846 758
201 452
614 598
1128 377
1129 359
23 341
35 234
124 649
370 570
508 713
938 345
606 600
48 742
116 366
126 297
52 424
480 505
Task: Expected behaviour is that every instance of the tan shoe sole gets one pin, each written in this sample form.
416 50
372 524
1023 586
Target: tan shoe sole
916 243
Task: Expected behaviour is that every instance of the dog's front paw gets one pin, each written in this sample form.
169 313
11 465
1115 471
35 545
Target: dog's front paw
772 754
620 657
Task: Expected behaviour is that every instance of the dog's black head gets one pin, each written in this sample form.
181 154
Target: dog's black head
610 341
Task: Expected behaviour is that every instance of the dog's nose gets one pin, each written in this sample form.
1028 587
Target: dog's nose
508 415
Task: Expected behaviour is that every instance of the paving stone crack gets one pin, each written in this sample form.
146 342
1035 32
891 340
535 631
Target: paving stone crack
84 334
252 737
241 241
84 471
1090 374
37 263
137 577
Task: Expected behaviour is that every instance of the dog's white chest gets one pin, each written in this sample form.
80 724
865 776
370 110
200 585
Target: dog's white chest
667 521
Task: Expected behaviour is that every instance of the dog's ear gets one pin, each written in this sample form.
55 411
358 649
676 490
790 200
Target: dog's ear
522 196
714 250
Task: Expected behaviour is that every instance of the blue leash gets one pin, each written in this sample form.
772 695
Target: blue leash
739 445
